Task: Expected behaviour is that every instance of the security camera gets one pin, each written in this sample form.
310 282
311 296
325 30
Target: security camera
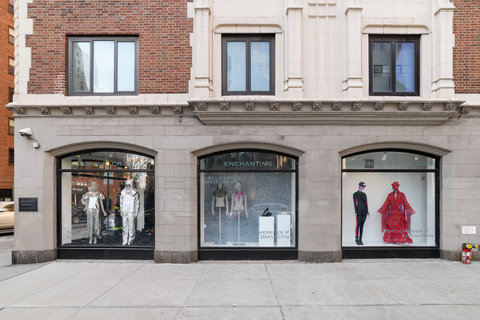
26 132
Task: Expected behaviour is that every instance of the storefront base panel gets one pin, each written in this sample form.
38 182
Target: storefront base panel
247 254
106 253
33 256
176 256
323 256
381 252
457 255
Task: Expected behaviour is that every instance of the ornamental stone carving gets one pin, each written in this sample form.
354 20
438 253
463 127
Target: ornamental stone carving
426 107
44 111
111 110
133 110
378 106
356 106
464 110
19 110
316 106
297 106
224 106
402 106
450 106
178 110
202 106
66 110
155 109
337 106
250 106
89 111
274 106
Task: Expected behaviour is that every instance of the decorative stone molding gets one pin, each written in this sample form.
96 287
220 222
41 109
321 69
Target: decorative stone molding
178 110
44 111
202 106
249 106
402 106
337 106
297 106
464 110
155 109
426 107
356 106
19 110
111 110
89 111
66 110
316 106
274 106
378 106
132 110
224 106
450 106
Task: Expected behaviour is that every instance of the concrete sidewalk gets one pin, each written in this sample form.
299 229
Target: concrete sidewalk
352 289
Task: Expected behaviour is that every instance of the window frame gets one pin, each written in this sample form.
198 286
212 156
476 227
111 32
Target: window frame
393 39
11 69
11 156
248 39
116 39
11 129
11 92
11 38
11 8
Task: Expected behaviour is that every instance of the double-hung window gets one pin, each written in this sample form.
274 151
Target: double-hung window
103 66
248 65
394 65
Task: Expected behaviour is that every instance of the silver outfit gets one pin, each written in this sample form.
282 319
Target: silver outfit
129 206
92 201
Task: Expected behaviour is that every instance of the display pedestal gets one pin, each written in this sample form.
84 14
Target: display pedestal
266 235
283 233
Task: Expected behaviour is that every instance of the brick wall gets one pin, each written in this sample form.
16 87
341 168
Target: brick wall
162 27
466 54
6 81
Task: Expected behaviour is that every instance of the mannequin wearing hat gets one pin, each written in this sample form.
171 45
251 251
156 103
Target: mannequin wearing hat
361 211
396 213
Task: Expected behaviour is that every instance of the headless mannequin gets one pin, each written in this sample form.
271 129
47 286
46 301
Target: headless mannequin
239 201
219 200
93 202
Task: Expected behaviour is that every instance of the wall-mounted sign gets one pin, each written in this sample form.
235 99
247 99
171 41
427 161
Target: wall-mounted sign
28 204
469 230
369 163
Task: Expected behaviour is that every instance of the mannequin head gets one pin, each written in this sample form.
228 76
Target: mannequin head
395 186
219 186
94 187
128 184
238 186
361 186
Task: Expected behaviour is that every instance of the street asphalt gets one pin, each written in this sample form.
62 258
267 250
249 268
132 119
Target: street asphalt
352 289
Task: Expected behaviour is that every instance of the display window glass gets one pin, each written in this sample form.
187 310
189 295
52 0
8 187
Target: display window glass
247 199
389 198
107 199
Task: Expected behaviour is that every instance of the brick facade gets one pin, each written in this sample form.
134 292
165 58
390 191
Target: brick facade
162 27
466 55
6 81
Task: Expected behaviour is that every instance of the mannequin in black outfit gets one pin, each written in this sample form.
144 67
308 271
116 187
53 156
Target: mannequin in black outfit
361 211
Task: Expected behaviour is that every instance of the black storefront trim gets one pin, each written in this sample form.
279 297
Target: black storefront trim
247 254
390 252
121 253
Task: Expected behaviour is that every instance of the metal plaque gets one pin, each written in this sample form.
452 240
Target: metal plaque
28 204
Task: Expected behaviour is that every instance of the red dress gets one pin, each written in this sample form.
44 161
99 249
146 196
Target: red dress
396 214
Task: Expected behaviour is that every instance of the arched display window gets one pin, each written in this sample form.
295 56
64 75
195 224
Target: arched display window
390 204
247 201
106 201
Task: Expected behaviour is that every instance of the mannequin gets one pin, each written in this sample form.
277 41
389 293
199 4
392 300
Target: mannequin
361 211
93 202
219 200
396 213
129 206
239 201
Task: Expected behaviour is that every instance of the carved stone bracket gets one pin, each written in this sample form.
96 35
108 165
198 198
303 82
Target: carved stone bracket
111 110
402 106
89 111
337 106
44 111
155 109
464 110
450 106
19 110
66 110
178 110
297 106
274 106
249 106
202 106
427 107
356 106
316 106
378 106
132 110
224 106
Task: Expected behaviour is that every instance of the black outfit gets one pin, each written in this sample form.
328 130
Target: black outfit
361 211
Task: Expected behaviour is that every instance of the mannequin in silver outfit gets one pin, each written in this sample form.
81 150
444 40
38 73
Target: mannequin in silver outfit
129 206
93 202
219 200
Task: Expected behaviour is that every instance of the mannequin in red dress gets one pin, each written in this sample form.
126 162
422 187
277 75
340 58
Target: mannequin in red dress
396 212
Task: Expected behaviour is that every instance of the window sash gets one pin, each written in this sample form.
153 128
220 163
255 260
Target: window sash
11 126
108 84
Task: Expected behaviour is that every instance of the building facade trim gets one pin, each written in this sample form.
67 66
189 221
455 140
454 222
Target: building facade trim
239 145
405 145
92 145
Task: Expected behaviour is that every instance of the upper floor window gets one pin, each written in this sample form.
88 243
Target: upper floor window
11 6
394 65
103 65
11 35
11 91
248 65
11 65
11 126
11 156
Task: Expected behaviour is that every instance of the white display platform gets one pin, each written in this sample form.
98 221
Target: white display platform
266 235
283 234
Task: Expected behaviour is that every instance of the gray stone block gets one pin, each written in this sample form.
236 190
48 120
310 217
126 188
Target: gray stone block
320 256
175 256
29 256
